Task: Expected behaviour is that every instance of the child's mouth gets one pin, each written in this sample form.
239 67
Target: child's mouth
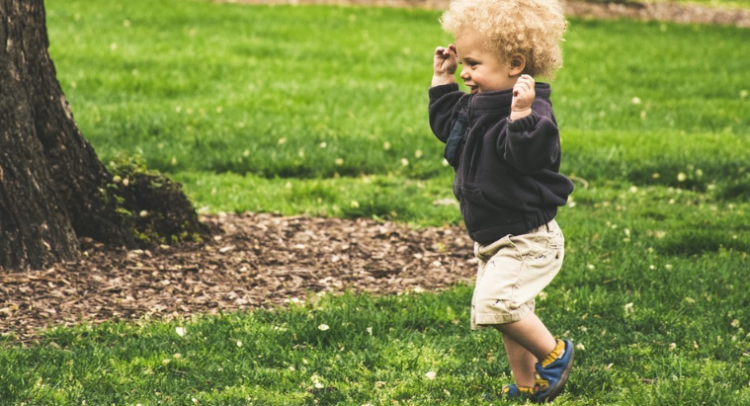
474 89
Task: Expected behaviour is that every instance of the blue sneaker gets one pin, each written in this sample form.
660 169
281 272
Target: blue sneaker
550 380
514 391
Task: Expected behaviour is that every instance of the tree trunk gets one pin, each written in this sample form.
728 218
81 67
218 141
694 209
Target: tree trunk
53 187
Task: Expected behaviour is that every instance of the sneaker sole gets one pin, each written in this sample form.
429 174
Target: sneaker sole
557 389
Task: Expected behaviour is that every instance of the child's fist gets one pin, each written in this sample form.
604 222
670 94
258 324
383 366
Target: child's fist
445 61
523 93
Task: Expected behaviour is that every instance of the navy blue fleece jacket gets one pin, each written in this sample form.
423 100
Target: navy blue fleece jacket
508 177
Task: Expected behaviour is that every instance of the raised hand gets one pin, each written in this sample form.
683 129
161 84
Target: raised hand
523 94
445 61
444 65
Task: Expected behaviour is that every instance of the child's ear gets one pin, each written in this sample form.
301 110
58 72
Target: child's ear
517 64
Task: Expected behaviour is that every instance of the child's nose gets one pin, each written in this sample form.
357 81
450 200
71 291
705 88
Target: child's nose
465 74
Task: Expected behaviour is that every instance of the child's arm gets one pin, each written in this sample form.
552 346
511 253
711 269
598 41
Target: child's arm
444 100
533 139
444 65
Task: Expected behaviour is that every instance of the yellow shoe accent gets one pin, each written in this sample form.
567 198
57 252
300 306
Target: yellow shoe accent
555 354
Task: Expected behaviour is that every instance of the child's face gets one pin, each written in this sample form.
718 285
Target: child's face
482 71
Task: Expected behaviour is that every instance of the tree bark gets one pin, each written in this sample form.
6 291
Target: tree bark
53 187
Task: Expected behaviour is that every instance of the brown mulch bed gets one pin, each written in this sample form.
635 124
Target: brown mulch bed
648 10
257 260
684 13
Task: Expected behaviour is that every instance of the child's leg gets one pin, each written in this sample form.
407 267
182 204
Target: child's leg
521 362
526 342
512 271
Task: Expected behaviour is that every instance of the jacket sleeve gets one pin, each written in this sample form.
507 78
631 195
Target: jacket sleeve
532 143
444 108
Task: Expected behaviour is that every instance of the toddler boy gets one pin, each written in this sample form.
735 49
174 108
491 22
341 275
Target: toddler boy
503 141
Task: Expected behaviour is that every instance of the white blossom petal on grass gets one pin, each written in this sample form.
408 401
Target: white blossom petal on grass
431 375
445 202
323 327
629 308
239 343
369 330
180 331
636 100
316 382
580 347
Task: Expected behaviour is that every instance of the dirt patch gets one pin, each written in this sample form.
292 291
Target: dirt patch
255 260
661 10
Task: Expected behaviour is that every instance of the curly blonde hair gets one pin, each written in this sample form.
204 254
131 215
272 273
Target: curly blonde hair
532 28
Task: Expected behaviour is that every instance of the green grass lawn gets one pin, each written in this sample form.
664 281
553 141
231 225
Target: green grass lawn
322 110
271 96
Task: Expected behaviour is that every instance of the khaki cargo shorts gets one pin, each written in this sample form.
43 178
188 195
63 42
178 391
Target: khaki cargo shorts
512 272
